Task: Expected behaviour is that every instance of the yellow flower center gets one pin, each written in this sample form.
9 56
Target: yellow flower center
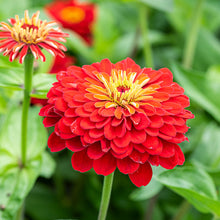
122 89
72 15
30 30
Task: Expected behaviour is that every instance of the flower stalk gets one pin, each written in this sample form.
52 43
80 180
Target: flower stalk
106 193
190 46
28 72
145 35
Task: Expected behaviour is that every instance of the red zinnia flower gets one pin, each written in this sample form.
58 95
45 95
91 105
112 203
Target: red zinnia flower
76 16
118 115
30 33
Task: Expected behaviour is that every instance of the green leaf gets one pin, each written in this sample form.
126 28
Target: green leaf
11 78
193 184
42 82
203 155
201 89
163 5
11 131
15 184
48 165
4 61
9 9
16 181
213 73
3 104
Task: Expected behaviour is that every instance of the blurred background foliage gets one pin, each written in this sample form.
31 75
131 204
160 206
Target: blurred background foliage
54 190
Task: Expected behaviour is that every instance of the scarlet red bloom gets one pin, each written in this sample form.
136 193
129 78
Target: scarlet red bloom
30 34
118 115
76 16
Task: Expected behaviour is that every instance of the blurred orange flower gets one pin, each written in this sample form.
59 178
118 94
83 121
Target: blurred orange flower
76 16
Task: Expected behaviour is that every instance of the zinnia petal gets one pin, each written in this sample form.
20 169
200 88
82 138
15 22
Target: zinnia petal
105 165
55 143
81 162
142 176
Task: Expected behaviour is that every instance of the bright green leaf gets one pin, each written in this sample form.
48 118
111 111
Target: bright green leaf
3 104
4 61
11 131
48 165
196 87
9 8
11 77
193 184
42 82
213 73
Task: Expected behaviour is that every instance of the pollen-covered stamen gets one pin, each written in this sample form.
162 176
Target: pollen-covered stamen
30 30
122 88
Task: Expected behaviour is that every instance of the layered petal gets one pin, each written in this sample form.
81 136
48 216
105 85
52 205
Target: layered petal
142 176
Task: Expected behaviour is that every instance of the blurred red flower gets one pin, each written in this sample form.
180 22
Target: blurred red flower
76 16
61 63
30 34
118 115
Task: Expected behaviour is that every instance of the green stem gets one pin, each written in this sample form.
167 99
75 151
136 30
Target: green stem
145 35
184 207
190 46
28 72
106 192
